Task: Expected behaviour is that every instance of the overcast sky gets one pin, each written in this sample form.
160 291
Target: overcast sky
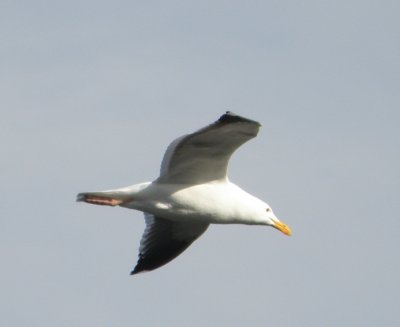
92 92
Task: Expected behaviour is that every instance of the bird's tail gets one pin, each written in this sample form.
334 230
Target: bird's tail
106 198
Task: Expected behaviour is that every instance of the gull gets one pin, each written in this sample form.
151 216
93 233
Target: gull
192 192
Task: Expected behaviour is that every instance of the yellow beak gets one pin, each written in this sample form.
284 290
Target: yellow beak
285 229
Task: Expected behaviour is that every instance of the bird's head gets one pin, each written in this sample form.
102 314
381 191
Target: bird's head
272 221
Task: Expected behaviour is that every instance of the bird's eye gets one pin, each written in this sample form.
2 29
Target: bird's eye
268 209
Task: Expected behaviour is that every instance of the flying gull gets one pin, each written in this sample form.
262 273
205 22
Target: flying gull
192 192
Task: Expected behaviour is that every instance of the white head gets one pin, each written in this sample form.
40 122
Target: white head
271 220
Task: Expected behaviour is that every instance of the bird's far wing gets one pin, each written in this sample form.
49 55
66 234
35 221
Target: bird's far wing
203 156
163 240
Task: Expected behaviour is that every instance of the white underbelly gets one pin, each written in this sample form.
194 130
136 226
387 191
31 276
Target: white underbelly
217 202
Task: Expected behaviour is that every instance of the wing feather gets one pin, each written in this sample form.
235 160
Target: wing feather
163 240
203 156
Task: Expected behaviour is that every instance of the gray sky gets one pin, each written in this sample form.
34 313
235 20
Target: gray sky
92 92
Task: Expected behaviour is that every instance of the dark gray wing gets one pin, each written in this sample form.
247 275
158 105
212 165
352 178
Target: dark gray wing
203 156
163 240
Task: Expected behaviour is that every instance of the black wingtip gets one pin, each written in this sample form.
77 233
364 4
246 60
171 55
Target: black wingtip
139 268
137 271
230 117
